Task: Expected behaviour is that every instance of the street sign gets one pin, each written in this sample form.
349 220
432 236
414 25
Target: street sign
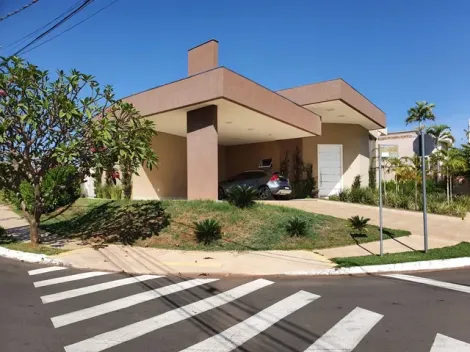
389 151
429 145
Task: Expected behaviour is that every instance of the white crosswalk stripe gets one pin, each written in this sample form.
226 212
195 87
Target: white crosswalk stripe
46 270
96 288
112 338
423 280
347 333
444 343
249 328
108 307
69 278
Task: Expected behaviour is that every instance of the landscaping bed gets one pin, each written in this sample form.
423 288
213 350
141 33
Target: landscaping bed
437 202
460 250
260 227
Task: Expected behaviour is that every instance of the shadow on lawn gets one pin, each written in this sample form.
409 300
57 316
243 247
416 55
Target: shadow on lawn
123 222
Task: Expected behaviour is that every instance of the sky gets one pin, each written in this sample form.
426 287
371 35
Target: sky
395 52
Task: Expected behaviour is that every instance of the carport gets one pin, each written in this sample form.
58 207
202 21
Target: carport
226 122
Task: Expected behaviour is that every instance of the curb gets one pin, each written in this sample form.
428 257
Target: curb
29 257
439 264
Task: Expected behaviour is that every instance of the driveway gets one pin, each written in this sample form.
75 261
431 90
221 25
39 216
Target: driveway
442 230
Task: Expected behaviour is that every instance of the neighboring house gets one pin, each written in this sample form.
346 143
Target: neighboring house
216 123
399 144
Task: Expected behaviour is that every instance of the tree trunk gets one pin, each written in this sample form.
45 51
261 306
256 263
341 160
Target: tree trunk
450 188
447 188
416 194
34 231
126 182
36 216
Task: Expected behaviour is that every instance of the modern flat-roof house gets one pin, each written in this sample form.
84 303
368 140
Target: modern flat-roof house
215 123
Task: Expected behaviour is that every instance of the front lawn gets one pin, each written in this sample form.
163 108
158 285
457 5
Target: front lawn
457 251
261 227
10 243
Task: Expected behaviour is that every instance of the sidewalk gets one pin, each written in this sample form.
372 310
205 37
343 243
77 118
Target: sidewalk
160 261
442 230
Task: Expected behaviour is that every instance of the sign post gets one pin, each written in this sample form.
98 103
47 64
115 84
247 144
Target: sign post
425 210
423 146
380 203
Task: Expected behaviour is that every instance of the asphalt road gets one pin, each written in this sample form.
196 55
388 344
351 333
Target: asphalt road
82 311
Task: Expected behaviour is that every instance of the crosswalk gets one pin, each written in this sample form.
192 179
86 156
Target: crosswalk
344 335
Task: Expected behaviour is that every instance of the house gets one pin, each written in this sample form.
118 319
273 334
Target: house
215 123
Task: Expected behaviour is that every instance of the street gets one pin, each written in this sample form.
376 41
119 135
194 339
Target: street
56 309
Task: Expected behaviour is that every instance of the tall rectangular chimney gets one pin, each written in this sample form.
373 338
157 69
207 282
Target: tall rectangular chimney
203 57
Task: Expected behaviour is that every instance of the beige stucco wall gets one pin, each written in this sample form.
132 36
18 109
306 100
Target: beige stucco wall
222 163
355 141
169 180
244 157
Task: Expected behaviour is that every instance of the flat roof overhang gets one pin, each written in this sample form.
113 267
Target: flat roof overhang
337 102
247 111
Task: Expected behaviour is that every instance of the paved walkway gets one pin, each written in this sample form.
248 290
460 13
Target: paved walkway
141 260
442 230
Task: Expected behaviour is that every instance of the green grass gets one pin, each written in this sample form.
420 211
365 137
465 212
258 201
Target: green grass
11 243
261 227
460 250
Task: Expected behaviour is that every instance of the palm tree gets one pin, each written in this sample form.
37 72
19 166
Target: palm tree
443 139
442 135
395 165
453 162
420 113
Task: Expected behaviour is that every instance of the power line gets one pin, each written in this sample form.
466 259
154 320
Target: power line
58 24
18 11
44 26
68 29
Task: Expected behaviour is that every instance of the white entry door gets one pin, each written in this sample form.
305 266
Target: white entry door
330 169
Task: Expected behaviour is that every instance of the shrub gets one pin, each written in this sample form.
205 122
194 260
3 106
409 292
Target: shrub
116 221
115 192
60 187
2 231
370 197
460 210
344 195
334 197
356 195
358 223
372 178
357 182
296 226
242 196
207 231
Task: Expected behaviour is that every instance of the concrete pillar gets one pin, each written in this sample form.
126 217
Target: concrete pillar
202 146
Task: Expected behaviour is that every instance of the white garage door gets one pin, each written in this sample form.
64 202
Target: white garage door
330 169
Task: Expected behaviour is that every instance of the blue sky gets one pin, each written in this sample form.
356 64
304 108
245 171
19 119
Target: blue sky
395 52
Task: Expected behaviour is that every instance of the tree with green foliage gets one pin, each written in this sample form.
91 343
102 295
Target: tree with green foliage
129 147
453 163
132 143
444 139
422 112
48 122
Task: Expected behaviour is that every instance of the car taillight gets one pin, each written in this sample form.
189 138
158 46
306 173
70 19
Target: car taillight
274 178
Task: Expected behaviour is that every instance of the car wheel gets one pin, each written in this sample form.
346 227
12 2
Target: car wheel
264 193
221 193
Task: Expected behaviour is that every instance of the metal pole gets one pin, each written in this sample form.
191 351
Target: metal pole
380 204
425 212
